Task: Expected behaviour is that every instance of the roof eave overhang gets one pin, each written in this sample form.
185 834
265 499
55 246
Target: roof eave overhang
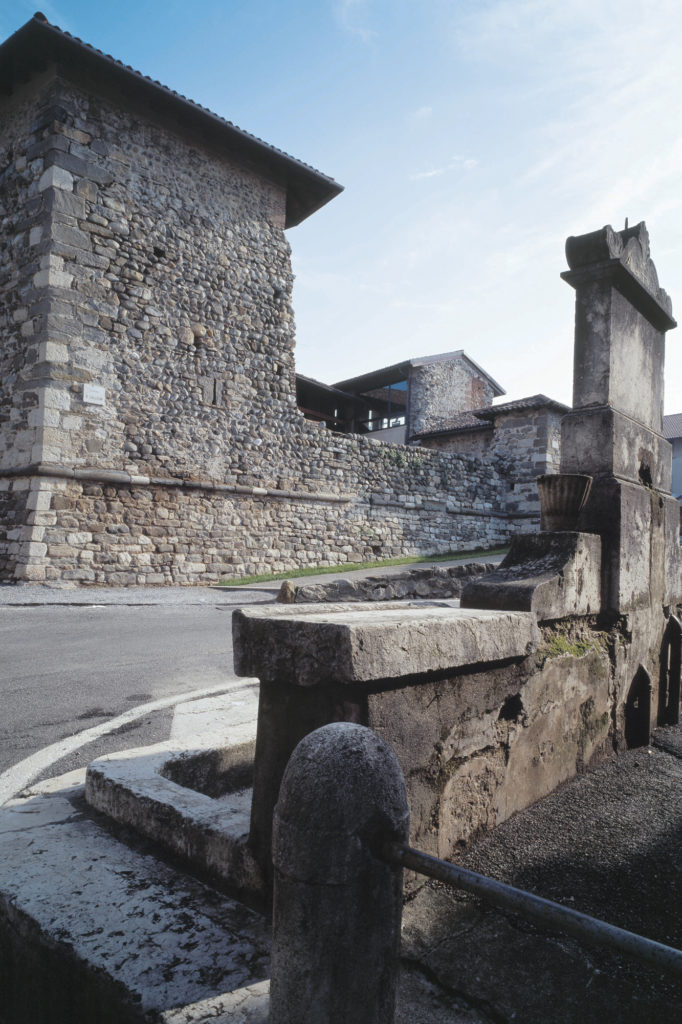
37 45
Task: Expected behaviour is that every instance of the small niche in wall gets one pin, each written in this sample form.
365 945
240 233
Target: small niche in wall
638 710
212 391
671 669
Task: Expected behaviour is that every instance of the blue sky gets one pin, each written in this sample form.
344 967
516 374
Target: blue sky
472 136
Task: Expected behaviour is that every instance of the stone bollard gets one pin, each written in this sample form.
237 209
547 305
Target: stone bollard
337 908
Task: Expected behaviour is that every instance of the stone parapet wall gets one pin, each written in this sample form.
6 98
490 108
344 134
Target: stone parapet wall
105 533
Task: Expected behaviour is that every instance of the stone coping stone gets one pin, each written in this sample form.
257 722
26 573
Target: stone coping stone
307 645
432 582
552 574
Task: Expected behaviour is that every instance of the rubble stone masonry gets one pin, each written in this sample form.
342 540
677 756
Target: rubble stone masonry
149 431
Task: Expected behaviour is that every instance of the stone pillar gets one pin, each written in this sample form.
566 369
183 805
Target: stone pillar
614 430
337 908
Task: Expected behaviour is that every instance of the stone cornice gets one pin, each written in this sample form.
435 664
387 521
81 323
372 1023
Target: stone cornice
116 476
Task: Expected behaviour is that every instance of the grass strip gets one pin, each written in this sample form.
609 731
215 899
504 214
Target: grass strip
323 570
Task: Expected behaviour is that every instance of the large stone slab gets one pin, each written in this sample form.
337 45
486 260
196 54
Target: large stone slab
92 929
95 927
552 575
341 644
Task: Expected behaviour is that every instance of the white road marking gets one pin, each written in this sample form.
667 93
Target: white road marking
20 775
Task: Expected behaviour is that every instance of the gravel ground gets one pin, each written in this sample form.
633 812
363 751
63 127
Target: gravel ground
609 844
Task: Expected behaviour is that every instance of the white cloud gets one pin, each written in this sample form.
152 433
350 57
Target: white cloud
435 173
352 16
456 163
421 114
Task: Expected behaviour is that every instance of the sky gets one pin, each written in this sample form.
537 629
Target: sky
471 137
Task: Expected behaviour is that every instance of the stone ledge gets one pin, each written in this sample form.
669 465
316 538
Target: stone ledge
91 926
436 582
552 575
307 646
115 476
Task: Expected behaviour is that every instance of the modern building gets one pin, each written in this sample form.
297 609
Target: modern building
396 402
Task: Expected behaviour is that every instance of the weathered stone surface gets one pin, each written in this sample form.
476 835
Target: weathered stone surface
553 575
603 441
413 583
308 646
337 907
133 950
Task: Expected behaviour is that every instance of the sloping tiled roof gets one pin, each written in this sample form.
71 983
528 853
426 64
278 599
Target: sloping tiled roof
399 371
533 402
481 419
672 426
462 422
38 44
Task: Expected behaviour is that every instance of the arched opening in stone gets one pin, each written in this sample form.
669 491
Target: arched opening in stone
671 669
638 710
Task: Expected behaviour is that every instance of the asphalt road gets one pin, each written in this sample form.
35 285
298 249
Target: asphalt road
67 668
77 659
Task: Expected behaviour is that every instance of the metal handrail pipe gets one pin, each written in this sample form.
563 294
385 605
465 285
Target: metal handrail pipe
535 908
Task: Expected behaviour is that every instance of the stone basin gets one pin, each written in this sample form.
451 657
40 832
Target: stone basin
191 795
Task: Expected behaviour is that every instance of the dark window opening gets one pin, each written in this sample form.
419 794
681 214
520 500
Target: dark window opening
386 407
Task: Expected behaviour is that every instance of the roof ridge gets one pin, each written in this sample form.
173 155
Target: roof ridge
41 19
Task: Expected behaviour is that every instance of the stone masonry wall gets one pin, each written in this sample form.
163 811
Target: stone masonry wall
520 446
440 389
22 219
158 337
107 532
529 442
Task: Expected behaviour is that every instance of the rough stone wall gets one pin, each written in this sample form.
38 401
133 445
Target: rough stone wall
157 334
519 445
22 294
13 515
438 390
170 285
122 534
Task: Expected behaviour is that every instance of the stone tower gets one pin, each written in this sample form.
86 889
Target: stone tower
145 300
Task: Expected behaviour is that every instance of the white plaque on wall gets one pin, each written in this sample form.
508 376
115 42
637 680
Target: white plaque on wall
94 394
